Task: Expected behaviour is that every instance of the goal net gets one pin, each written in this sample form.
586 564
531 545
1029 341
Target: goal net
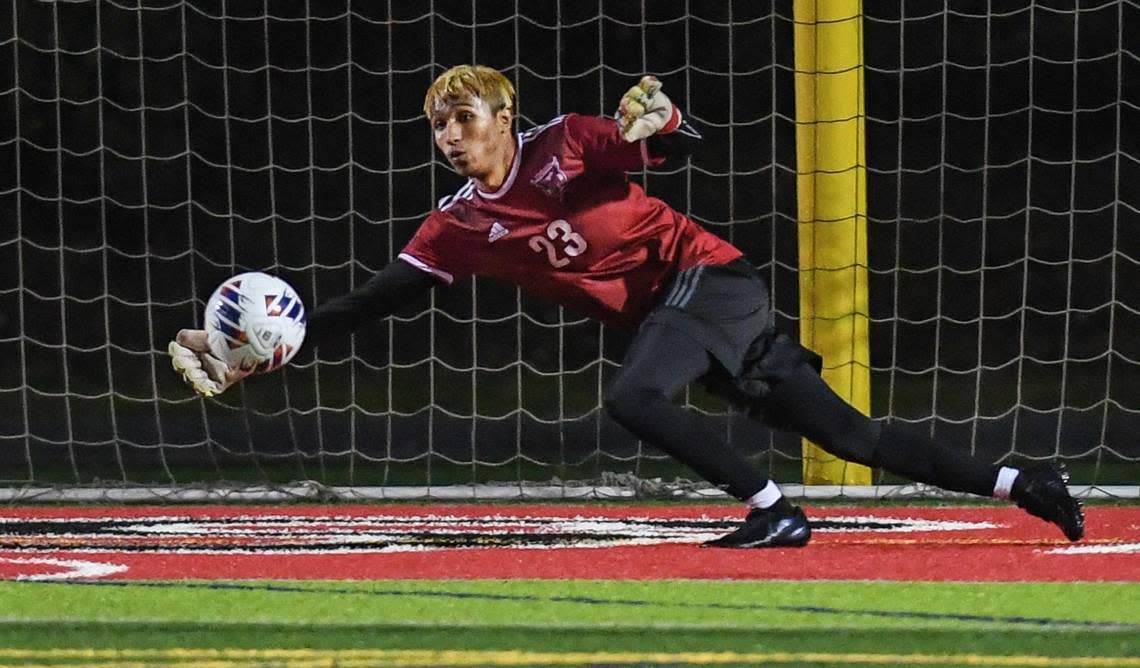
150 150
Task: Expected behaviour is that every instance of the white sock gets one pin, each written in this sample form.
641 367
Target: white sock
766 497
1004 485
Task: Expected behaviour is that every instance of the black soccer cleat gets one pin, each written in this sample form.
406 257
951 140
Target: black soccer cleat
1040 490
766 528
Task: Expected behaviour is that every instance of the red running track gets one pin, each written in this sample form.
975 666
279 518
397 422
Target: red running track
553 542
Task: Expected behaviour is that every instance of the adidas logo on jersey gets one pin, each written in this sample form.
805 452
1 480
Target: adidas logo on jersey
497 232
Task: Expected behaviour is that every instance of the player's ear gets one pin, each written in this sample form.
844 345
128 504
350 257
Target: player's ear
503 119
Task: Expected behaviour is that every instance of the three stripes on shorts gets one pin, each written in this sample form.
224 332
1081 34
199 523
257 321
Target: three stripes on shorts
684 286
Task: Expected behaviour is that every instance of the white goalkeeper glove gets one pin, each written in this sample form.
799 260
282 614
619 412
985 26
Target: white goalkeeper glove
190 356
644 110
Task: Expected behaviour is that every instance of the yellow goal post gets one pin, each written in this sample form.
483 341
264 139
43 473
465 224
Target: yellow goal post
832 212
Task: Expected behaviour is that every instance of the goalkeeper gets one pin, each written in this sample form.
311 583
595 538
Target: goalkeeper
552 210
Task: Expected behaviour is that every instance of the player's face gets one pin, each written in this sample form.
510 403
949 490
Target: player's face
476 141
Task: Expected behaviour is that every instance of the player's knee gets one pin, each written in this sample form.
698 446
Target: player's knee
627 402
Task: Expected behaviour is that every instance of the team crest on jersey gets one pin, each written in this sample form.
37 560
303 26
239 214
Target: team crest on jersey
551 180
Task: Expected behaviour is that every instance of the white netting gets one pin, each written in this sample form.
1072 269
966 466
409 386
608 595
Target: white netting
152 150
1003 157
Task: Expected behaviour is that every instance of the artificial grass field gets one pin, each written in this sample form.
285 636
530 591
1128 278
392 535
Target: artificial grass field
568 622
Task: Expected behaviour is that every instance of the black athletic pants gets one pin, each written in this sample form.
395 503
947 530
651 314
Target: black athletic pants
662 360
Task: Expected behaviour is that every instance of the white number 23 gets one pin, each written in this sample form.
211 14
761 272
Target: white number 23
559 230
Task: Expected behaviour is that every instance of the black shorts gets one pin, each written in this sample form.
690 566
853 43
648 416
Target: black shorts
726 309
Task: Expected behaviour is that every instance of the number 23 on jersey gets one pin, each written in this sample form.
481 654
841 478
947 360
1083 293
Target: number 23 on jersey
560 243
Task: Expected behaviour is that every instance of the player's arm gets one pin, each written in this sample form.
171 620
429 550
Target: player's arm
675 145
646 113
647 129
379 296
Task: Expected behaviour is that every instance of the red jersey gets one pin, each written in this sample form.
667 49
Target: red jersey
568 226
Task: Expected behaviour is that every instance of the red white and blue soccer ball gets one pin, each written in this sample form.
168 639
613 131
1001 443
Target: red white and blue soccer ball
255 321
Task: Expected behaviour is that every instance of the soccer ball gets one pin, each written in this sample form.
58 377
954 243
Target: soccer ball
255 321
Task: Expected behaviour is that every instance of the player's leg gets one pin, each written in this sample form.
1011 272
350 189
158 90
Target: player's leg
661 361
808 405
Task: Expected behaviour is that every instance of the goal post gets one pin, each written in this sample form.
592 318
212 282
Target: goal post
831 186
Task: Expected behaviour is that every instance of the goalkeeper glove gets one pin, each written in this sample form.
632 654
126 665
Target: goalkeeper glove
191 357
644 110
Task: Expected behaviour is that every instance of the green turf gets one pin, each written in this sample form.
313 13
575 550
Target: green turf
1041 619
926 641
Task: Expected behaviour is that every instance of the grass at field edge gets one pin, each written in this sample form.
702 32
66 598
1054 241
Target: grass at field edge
1042 619
124 635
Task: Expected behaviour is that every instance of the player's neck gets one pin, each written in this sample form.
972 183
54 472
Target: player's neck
497 176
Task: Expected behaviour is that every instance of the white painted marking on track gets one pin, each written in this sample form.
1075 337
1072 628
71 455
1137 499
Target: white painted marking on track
79 569
1119 548
285 533
898 524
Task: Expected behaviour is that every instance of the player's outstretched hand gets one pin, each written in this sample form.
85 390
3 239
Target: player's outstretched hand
190 356
644 110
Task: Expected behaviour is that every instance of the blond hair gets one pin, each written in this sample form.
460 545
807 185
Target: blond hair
467 81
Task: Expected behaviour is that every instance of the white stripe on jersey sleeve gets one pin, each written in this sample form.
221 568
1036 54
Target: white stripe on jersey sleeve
530 134
466 192
422 266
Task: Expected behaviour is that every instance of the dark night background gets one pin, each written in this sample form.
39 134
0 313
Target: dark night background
148 152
